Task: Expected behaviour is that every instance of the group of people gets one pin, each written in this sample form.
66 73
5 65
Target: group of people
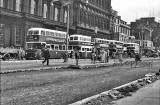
99 54
65 55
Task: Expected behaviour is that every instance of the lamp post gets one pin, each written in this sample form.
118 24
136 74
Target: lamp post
68 21
142 43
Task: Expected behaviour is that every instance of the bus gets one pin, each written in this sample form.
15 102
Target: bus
37 38
112 45
132 48
83 43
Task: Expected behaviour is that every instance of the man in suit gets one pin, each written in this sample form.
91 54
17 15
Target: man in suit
46 55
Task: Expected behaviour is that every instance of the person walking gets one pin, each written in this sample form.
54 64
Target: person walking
107 56
46 56
120 57
77 55
93 56
65 56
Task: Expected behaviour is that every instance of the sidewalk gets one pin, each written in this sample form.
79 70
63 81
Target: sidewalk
149 95
36 65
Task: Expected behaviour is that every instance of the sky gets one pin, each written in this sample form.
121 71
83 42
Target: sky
130 10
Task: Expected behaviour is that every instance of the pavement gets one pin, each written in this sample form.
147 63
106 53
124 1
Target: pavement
36 65
148 95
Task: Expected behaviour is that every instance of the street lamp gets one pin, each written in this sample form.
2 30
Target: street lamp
68 19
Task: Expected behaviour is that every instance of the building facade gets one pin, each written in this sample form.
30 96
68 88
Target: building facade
146 31
121 30
85 16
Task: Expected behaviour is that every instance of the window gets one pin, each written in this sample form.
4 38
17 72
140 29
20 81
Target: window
71 38
64 48
56 14
33 7
56 47
1 3
30 32
42 32
75 38
51 14
65 16
52 46
45 10
18 5
36 32
60 47
18 37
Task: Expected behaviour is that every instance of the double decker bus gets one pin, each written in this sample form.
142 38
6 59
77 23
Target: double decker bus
83 43
132 48
37 38
112 45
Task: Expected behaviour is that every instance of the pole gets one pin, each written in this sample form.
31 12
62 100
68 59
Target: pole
67 28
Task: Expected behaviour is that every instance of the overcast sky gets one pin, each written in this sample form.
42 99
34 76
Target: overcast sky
129 10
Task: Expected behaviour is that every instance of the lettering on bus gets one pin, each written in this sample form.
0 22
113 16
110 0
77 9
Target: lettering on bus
33 38
81 43
54 40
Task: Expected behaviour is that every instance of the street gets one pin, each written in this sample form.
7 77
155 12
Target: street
65 86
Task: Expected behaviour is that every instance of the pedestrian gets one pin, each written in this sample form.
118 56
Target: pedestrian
77 55
103 56
120 57
65 56
93 55
46 56
106 55
137 58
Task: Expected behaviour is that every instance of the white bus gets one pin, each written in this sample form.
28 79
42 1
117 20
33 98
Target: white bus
132 48
83 43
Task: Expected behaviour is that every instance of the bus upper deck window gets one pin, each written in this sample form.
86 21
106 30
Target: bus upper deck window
71 38
30 32
75 38
36 32
42 32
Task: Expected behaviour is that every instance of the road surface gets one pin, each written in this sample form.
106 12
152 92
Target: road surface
64 86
